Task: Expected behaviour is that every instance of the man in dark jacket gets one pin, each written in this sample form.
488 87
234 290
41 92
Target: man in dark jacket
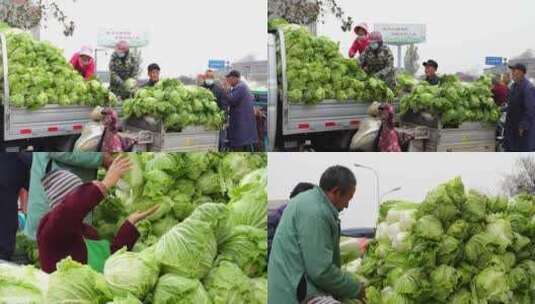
431 68
520 124
242 133
14 176
154 75
210 83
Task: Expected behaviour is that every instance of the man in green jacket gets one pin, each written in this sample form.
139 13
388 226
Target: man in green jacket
83 164
304 265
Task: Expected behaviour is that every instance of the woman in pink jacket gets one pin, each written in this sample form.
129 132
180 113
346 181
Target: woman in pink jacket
362 41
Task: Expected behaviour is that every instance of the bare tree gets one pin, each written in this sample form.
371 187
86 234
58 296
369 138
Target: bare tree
523 179
411 60
527 54
26 14
308 11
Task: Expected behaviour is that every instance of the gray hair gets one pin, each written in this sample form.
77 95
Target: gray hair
338 177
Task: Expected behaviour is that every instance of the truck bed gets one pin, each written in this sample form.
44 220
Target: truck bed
52 120
329 115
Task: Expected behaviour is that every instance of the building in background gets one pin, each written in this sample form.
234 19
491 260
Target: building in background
253 71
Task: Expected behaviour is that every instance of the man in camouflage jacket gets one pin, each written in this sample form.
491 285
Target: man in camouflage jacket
123 66
378 60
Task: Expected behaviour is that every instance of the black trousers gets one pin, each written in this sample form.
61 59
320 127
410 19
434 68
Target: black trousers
14 175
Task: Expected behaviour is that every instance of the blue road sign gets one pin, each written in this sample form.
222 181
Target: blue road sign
216 64
493 60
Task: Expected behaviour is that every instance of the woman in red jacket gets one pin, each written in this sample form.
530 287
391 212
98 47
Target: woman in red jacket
62 232
84 63
361 43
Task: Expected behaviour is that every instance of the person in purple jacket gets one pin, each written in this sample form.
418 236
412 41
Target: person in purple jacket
274 216
242 135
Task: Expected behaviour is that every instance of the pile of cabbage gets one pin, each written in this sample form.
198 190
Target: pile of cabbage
39 75
178 105
454 101
316 71
457 246
206 244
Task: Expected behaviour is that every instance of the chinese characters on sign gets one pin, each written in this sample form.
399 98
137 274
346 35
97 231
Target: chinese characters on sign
110 37
402 34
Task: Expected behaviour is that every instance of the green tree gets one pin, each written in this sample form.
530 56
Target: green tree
308 11
26 14
411 60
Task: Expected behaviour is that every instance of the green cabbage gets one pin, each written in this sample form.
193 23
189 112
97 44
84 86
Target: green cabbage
316 71
491 285
481 252
76 283
247 247
455 102
228 284
130 299
178 105
188 249
172 288
260 294
131 273
22 284
250 204
40 75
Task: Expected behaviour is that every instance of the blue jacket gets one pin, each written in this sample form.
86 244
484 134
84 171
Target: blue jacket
242 122
520 115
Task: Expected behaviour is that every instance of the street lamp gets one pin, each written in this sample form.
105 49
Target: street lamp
377 195
389 192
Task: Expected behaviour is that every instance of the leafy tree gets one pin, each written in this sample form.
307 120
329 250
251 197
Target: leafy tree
308 11
26 14
411 60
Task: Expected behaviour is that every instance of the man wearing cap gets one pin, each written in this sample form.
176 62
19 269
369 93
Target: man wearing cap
83 62
123 66
154 75
242 135
378 60
520 123
431 68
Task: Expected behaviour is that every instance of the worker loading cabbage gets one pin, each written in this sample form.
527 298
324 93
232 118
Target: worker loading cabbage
39 75
317 71
203 241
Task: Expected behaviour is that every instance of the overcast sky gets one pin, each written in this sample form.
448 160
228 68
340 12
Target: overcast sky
416 173
459 33
184 34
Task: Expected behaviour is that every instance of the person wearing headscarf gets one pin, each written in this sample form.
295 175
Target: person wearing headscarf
83 62
124 65
378 60
83 164
361 42
388 137
62 231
